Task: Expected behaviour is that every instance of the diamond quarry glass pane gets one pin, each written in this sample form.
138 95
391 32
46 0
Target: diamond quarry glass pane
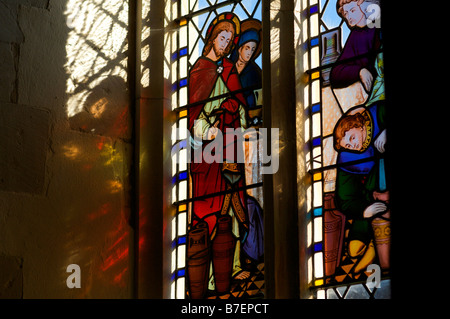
331 294
384 292
218 198
357 292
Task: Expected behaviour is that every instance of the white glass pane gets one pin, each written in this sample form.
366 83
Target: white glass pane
182 132
183 67
183 96
174 194
314 19
183 160
174 100
318 194
174 228
174 73
317 229
309 234
172 290
310 268
174 164
181 254
316 125
318 265
306 96
315 57
181 282
315 91
317 156
174 260
182 224
183 190
307 126
321 294
308 198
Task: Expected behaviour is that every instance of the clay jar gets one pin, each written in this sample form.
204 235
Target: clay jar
198 259
222 254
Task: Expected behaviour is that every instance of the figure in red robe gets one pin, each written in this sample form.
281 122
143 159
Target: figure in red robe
216 103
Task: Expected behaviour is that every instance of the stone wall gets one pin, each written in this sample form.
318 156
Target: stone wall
65 149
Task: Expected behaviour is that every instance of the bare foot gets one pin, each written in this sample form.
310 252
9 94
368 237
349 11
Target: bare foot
243 275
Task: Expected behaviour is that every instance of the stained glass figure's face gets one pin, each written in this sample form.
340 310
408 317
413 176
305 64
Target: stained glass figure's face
353 139
354 15
221 42
246 50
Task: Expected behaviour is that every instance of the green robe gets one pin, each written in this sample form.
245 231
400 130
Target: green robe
354 188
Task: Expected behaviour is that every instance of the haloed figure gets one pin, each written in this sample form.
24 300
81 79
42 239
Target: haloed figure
247 50
219 205
245 54
361 192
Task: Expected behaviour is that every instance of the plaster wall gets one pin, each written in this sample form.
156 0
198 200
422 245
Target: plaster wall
65 149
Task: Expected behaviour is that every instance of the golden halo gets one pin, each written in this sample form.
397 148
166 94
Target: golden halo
226 16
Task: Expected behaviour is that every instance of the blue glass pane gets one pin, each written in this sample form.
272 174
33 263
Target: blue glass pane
183 175
316 108
318 247
318 211
317 141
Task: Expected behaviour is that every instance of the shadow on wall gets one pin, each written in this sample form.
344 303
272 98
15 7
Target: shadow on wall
105 111
65 149
99 238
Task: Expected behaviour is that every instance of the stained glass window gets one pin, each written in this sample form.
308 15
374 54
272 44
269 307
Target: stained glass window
348 212
213 61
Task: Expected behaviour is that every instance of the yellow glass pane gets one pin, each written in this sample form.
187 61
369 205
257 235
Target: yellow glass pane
183 113
315 75
318 282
